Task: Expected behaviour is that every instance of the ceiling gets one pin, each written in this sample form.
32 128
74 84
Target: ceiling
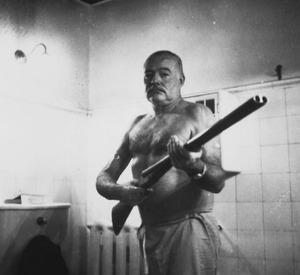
92 2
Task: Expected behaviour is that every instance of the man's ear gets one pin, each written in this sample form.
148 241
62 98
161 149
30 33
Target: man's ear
182 79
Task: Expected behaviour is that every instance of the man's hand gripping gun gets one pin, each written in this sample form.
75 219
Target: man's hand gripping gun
121 211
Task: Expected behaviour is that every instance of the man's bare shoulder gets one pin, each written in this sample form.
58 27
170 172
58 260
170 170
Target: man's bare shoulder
200 114
139 122
138 119
196 109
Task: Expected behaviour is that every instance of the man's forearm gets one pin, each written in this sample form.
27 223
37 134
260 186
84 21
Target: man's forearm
213 179
107 187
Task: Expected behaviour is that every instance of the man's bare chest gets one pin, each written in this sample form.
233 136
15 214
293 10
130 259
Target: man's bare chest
151 135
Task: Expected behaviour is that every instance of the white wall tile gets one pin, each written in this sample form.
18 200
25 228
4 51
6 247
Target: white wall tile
250 132
251 266
294 157
296 268
279 267
293 128
296 241
249 187
293 100
251 161
274 159
273 131
251 244
276 187
228 266
279 245
249 216
296 215
277 216
295 186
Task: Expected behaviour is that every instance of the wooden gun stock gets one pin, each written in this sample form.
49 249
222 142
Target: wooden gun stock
121 211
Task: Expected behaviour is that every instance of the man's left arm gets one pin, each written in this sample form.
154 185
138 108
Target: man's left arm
204 167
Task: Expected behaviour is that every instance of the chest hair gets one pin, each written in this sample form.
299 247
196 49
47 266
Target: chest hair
151 135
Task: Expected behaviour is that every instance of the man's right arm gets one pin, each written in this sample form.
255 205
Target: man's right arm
106 183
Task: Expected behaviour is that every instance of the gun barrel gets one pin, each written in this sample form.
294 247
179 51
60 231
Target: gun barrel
238 114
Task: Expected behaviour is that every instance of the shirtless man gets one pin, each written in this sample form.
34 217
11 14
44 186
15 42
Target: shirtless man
180 232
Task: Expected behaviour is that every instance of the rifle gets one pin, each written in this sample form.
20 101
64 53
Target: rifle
121 211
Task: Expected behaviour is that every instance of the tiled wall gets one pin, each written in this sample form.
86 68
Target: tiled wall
259 210
44 150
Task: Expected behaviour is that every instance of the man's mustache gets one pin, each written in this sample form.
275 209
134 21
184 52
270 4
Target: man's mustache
154 88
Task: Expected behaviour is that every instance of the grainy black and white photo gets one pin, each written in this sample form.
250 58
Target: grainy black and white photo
144 137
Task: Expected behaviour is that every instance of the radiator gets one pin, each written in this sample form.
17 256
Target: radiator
109 254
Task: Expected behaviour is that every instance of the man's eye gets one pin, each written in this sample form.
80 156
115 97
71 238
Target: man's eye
164 74
147 76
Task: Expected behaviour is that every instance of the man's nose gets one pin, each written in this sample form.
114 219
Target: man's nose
155 78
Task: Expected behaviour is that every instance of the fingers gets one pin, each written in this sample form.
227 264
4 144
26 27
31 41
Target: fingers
148 192
143 193
180 156
137 195
177 153
176 149
134 182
